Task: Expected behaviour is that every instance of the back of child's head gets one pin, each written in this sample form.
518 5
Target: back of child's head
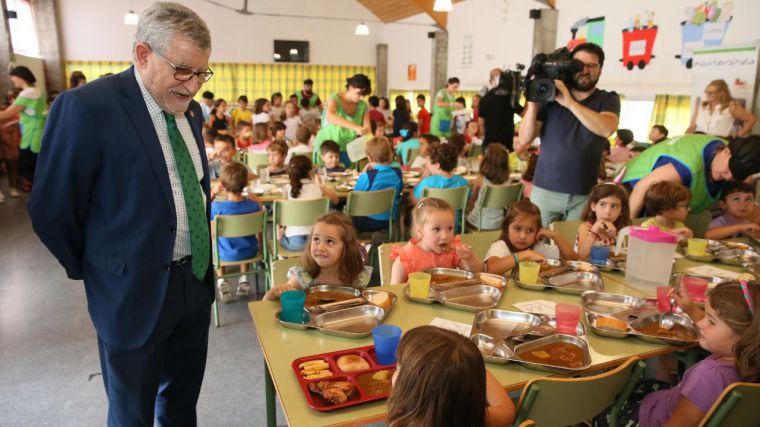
374 101
523 208
602 191
733 187
278 147
303 135
408 130
431 139
740 314
427 206
665 195
436 368
227 139
458 140
209 134
353 258
234 177
495 164
260 132
299 168
379 150
258 105
446 155
400 102
241 125
277 126
304 103
625 135
329 146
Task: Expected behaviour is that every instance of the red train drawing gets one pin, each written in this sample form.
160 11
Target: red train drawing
637 47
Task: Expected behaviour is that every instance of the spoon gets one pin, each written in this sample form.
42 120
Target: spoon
668 320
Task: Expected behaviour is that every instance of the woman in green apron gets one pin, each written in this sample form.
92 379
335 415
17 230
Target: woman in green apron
440 124
346 117
30 105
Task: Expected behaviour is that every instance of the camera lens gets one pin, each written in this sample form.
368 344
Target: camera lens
540 90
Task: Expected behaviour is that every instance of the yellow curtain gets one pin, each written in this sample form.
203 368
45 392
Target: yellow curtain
673 112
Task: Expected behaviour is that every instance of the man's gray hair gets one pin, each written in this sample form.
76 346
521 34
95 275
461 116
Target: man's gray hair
160 22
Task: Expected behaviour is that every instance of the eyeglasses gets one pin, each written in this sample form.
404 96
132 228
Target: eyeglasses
185 74
591 66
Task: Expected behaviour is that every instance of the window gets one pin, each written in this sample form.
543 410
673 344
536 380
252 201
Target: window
23 29
635 115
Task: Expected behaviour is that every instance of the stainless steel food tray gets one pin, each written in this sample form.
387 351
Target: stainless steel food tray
469 298
582 277
737 257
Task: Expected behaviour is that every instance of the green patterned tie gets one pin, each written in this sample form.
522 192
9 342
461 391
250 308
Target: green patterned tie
196 213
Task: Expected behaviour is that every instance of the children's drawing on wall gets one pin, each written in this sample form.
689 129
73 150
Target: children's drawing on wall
705 25
587 30
467 51
638 40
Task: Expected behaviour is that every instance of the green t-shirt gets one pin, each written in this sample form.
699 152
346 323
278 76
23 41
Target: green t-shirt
342 136
32 118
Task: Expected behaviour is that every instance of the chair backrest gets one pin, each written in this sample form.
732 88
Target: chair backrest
566 229
456 197
249 224
568 401
361 164
475 150
736 406
302 153
240 156
299 212
698 222
501 196
366 203
639 221
386 263
411 154
480 241
256 159
279 269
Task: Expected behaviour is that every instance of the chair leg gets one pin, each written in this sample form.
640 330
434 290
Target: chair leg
216 312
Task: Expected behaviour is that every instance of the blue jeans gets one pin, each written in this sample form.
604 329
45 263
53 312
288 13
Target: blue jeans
294 243
558 206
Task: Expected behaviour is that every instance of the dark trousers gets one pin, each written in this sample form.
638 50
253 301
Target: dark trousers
163 376
365 223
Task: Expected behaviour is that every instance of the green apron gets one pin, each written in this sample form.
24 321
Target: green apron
31 122
342 136
440 124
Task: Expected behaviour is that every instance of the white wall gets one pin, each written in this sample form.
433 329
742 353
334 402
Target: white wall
409 44
93 30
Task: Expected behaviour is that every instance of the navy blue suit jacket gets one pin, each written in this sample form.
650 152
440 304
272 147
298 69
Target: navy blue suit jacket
103 205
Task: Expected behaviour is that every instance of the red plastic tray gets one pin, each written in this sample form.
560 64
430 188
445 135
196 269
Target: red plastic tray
316 402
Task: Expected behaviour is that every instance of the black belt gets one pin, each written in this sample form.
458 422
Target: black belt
174 264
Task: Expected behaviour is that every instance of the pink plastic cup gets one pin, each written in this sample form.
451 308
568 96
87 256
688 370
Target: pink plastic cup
696 287
663 299
568 316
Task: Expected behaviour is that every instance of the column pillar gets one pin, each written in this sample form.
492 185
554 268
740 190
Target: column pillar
6 51
439 63
46 21
381 70
544 30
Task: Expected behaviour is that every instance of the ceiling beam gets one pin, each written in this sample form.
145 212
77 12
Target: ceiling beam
440 18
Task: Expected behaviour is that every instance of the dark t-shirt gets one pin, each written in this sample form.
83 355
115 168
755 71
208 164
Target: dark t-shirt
498 114
570 152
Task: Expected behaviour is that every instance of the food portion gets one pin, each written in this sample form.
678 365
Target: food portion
334 392
560 354
491 280
611 324
678 332
352 363
314 369
375 383
380 299
441 279
325 297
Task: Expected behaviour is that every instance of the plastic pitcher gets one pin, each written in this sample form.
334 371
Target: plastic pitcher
649 262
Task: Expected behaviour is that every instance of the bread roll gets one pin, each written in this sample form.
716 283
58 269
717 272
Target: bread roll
380 299
351 363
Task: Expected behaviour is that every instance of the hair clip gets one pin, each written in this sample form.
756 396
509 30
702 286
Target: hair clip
747 298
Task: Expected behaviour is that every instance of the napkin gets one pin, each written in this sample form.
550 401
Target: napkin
708 270
538 306
460 328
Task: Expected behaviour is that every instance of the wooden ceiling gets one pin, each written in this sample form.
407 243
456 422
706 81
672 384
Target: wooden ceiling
395 10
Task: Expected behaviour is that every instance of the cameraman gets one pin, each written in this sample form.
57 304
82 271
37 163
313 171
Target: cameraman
497 115
573 131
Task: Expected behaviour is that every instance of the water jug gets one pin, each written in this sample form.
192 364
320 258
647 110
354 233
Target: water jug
649 262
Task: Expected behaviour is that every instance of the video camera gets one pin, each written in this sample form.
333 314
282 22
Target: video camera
538 83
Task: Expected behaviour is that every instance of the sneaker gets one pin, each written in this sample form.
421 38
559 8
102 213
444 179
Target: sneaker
243 289
225 295
14 193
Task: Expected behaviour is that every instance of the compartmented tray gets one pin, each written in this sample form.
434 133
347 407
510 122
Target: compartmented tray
614 263
573 277
737 257
462 290
618 316
349 322
724 251
348 388
502 336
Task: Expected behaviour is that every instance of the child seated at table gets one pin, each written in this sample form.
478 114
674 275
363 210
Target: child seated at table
728 329
332 256
277 130
606 212
433 243
209 135
427 143
737 201
330 153
435 369
292 121
379 175
304 185
494 170
244 131
669 203
443 160
521 240
234 178
300 143
277 151
224 150
260 137
458 141
409 141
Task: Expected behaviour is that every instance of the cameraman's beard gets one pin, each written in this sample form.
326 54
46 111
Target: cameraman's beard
583 87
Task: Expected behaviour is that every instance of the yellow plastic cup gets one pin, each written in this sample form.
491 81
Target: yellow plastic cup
696 247
529 272
419 285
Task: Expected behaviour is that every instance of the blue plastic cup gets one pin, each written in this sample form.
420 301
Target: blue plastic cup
599 254
386 339
292 306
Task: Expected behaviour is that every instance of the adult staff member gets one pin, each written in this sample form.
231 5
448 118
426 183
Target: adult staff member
307 93
716 114
122 202
497 115
440 124
574 132
700 162
346 116
30 106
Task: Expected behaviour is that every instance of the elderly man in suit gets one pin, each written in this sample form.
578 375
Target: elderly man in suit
122 201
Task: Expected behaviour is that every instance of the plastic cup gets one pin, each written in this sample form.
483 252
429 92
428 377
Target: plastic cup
529 272
696 247
292 306
696 287
419 284
568 316
663 299
386 339
599 254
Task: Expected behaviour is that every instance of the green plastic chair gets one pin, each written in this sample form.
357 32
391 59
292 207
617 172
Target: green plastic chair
411 154
498 197
240 226
566 229
639 221
256 159
240 156
456 197
279 269
308 154
698 222
569 401
475 150
480 242
366 203
296 213
384 253
736 406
